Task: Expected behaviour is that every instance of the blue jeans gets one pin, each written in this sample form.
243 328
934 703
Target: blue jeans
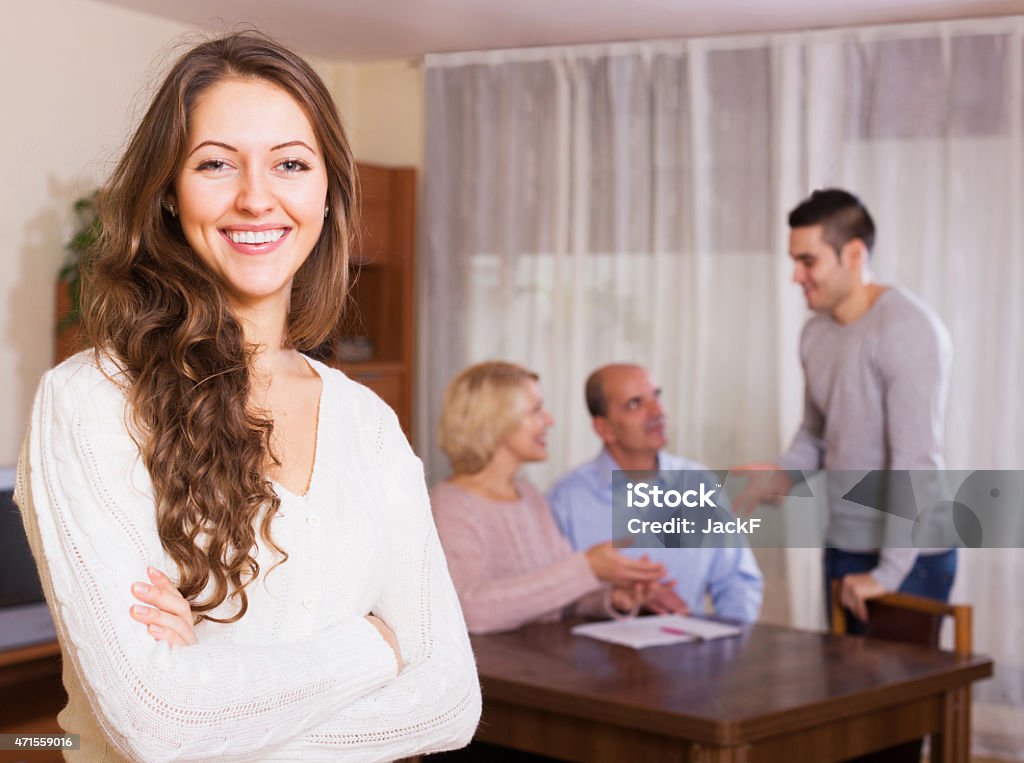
931 576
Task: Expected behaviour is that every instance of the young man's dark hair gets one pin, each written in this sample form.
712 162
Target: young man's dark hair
841 213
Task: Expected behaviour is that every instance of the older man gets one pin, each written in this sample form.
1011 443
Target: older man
625 406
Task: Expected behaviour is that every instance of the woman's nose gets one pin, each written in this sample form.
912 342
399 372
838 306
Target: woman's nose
254 194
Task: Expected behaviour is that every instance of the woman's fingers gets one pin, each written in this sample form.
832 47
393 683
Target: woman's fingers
389 636
167 600
641 569
612 567
164 626
167 615
172 603
163 634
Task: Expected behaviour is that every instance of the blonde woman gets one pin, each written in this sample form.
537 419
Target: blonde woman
509 563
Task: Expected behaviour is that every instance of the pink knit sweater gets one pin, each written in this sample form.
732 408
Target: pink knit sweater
509 562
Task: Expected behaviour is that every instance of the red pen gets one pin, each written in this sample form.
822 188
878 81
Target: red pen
680 632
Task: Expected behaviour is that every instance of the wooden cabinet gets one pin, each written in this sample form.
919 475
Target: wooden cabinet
378 323
32 692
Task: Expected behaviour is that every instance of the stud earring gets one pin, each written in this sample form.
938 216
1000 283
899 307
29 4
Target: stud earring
170 208
326 210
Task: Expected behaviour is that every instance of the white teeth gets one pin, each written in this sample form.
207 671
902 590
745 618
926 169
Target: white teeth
255 237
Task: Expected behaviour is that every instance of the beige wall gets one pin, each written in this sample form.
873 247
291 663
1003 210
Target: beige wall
388 121
381 104
74 75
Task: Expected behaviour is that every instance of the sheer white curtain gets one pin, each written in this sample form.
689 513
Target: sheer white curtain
628 202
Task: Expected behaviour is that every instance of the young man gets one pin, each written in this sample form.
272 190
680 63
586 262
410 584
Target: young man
627 415
876 363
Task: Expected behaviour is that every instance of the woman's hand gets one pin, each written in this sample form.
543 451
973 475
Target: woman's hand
662 599
609 566
168 616
656 598
627 600
389 636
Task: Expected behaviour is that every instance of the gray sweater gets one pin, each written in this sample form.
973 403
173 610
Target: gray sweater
875 398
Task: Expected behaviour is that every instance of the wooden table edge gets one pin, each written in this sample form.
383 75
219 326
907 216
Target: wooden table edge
733 731
29 653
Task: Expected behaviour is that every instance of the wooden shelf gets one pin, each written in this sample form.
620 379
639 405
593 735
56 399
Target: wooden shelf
380 306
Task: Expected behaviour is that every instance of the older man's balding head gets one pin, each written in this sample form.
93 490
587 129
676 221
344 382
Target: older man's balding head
598 381
626 411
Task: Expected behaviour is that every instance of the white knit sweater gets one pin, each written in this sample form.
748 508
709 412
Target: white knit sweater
303 675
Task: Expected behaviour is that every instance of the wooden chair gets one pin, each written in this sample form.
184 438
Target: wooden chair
910 619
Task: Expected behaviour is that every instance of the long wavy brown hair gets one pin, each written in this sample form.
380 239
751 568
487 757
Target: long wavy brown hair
153 307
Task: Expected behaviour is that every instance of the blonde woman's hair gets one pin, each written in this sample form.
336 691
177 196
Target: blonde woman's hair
482 406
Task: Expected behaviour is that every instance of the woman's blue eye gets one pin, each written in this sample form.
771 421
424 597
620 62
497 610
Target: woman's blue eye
294 165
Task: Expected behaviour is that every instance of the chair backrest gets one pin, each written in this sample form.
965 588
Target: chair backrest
912 619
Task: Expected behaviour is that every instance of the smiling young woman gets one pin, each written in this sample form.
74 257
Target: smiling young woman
281 498
251 192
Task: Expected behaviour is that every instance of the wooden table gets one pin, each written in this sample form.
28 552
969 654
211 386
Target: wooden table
772 694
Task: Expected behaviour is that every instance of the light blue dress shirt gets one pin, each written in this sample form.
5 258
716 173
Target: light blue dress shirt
581 503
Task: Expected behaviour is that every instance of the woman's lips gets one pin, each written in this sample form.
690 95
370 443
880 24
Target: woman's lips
243 246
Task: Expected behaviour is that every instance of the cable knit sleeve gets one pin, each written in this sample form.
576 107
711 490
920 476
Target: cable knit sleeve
434 704
88 519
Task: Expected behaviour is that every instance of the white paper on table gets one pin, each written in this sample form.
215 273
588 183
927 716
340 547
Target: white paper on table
656 630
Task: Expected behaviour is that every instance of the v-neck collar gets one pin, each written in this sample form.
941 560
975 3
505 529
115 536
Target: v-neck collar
283 491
